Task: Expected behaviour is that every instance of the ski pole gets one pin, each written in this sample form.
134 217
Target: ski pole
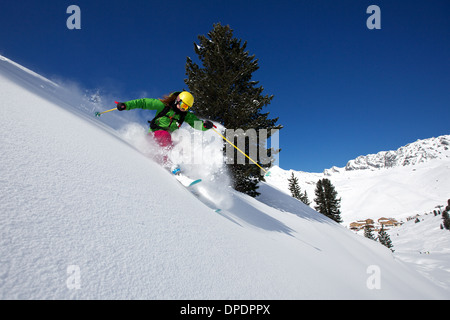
98 114
239 150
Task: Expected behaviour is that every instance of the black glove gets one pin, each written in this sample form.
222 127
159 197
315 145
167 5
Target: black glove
121 106
208 124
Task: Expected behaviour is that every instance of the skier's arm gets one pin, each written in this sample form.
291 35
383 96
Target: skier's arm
146 103
192 119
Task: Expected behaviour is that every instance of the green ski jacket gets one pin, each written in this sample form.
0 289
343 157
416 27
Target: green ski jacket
169 121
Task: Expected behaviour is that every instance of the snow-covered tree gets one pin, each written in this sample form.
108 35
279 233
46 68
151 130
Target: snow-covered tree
384 239
446 216
368 232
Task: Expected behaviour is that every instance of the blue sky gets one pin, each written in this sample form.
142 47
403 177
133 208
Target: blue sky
340 89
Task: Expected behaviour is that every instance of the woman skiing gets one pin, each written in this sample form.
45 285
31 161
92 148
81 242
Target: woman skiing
171 111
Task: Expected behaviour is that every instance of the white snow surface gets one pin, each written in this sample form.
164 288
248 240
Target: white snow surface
413 180
424 246
85 213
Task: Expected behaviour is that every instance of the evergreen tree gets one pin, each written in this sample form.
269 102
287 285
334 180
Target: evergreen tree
384 239
304 198
294 188
327 201
446 217
296 191
368 232
225 92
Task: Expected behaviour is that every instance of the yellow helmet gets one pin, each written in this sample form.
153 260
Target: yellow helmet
186 98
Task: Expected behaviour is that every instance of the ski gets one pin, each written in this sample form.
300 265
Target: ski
194 182
186 181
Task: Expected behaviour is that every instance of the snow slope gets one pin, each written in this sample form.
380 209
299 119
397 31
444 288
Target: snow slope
424 246
85 214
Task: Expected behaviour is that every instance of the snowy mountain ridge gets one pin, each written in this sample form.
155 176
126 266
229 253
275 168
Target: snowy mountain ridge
420 151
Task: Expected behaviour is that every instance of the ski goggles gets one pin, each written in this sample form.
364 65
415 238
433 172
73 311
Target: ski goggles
183 106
